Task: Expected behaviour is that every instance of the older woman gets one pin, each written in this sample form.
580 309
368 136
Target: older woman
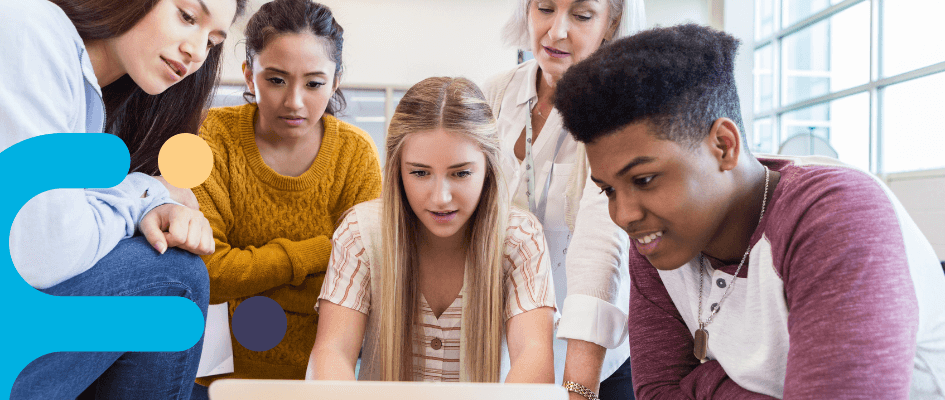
547 173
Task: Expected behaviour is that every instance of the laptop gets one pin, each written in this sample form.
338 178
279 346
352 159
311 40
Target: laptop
255 389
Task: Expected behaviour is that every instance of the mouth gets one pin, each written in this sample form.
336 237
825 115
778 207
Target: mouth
444 217
293 120
553 52
177 68
647 243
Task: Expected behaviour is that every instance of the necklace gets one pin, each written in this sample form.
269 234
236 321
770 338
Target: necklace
538 110
701 336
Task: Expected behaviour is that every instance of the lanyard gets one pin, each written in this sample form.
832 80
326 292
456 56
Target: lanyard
537 206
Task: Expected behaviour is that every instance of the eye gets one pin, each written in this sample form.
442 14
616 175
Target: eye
315 85
419 173
607 190
276 80
463 173
187 17
643 181
582 18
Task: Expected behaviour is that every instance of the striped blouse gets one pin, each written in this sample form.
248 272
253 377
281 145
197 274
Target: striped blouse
356 244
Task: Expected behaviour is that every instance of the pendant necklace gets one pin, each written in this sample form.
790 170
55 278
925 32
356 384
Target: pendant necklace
701 336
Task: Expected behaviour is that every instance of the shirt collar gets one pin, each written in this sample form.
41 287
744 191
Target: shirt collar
527 90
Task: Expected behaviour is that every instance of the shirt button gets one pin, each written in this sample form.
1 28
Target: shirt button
720 282
713 306
436 343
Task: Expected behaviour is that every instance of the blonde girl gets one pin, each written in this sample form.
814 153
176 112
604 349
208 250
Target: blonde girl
439 274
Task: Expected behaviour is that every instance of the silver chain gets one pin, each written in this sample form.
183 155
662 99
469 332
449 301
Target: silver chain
702 268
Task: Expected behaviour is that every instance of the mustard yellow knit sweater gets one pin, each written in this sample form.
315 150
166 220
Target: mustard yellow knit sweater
273 232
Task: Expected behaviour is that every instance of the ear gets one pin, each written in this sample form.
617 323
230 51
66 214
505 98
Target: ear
725 143
337 82
248 76
612 30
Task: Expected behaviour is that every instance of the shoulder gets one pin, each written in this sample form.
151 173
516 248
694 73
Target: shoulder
223 124
40 32
36 19
813 188
353 136
830 212
360 229
364 216
504 80
523 231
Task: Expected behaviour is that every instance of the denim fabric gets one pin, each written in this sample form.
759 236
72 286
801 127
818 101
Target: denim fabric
200 392
133 268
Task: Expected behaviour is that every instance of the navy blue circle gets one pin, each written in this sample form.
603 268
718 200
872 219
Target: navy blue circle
259 323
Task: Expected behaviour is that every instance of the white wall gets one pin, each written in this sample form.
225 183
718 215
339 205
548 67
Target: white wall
400 42
921 194
674 12
739 22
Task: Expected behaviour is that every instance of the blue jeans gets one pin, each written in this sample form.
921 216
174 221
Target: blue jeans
133 268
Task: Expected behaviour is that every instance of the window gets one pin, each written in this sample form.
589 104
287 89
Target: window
866 76
370 109
367 107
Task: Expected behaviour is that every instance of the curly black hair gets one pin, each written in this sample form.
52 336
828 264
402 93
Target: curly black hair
680 79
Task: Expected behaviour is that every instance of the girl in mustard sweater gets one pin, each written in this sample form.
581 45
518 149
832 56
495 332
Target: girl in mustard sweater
285 171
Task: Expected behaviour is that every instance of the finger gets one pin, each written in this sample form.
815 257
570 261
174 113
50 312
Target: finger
151 229
207 245
194 234
178 227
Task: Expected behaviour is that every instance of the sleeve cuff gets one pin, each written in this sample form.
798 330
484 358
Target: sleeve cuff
592 320
137 184
308 257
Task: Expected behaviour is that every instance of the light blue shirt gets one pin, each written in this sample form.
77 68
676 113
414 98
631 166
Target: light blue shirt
49 87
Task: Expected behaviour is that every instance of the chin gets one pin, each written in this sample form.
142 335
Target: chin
153 88
665 263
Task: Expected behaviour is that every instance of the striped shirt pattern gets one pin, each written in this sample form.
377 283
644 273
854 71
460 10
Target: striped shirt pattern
528 279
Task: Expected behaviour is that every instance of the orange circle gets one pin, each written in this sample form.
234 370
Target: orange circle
185 160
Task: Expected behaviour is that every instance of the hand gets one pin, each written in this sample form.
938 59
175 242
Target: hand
183 196
171 225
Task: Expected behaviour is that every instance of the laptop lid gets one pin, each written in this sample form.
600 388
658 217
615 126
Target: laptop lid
255 389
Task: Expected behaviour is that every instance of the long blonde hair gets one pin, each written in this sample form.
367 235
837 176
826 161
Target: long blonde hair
457 106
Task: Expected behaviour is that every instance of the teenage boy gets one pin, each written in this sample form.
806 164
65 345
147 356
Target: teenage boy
752 277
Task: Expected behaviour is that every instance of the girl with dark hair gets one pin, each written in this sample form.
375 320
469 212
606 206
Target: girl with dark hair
285 170
69 64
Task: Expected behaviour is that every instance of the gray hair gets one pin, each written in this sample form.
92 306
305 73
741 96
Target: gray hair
632 20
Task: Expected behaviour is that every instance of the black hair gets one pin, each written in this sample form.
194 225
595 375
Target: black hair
143 121
297 16
680 79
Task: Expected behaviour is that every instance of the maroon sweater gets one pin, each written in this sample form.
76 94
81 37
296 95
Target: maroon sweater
841 297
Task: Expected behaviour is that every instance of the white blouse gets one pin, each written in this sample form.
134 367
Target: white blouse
595 300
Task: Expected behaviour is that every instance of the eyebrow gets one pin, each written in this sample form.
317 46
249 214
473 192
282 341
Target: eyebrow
279 71
418 165
203 5
626 168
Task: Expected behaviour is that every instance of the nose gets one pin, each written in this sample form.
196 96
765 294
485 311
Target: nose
442 194
626 211
196 48
559 27
293 97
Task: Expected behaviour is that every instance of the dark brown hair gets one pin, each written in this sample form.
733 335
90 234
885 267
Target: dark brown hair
144 122
296 16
